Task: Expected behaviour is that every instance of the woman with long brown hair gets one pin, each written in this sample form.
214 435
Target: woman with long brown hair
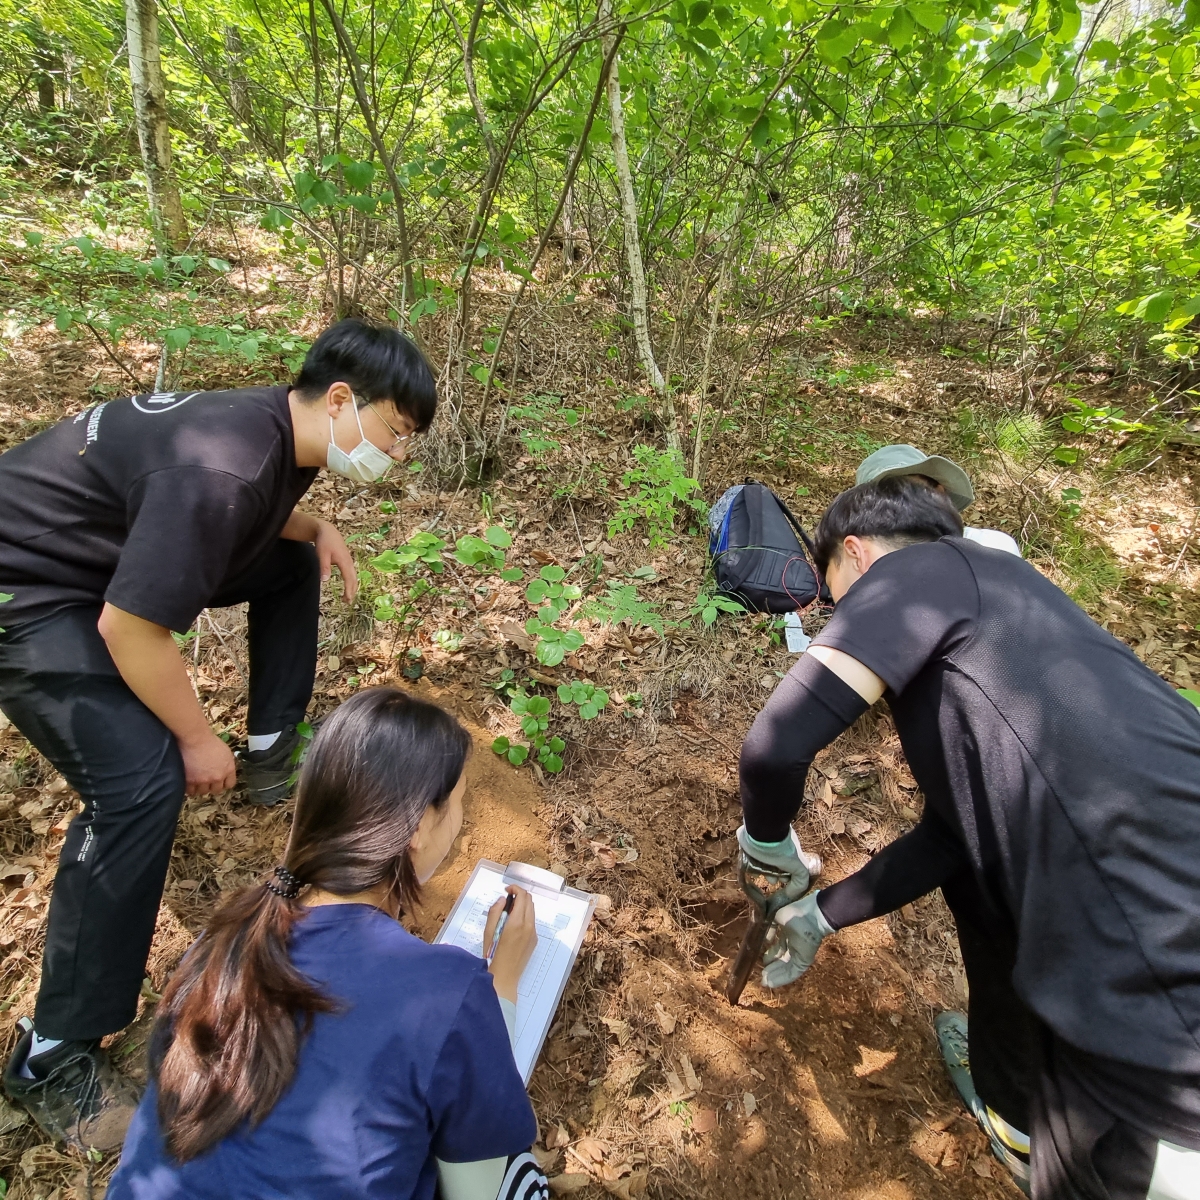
309 1046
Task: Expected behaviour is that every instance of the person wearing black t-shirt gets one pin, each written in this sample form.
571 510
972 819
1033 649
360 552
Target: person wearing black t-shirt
117 527
1062 822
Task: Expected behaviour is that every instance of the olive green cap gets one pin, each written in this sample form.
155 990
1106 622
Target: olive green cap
908 460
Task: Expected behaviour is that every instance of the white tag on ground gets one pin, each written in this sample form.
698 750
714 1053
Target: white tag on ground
797 640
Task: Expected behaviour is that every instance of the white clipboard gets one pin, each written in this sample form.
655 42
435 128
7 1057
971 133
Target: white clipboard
562 914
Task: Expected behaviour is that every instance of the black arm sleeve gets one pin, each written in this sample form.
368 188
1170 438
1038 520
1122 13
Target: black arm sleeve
807 711
912 865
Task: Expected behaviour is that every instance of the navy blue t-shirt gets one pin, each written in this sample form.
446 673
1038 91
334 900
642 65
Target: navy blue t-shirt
417 1066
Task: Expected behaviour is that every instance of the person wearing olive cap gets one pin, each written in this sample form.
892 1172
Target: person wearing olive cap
1060 779
945 475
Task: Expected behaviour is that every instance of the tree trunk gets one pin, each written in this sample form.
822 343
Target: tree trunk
239 85
48 62
633 248
568 219
150 112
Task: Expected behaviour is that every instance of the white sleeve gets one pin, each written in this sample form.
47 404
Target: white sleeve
509 1011
996 539
471 1180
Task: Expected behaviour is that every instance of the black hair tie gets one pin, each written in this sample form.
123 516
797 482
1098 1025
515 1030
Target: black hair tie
291 885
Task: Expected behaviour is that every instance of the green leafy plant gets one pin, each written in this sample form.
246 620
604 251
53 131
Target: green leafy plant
550 592
554 596
423 549
542 416
621 605
534 712
448 640
590 699
553 644
659 487
402 607
487 552
709 604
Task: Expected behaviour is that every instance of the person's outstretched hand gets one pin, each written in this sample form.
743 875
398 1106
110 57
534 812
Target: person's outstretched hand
332 551
517 941
208 764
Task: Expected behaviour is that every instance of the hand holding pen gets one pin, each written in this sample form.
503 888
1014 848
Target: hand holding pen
509 939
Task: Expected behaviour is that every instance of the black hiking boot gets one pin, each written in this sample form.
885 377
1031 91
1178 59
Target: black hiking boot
268 776
79 1097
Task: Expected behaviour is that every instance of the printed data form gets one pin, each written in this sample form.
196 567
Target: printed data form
562 918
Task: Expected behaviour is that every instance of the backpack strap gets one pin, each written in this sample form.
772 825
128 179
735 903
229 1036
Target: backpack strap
822 596
791 516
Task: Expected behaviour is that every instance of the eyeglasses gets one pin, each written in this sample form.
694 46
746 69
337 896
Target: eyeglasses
401 438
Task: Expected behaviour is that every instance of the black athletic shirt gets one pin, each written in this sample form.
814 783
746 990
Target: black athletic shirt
1068 772
151 503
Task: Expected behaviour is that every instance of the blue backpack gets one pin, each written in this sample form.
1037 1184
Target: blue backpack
762 556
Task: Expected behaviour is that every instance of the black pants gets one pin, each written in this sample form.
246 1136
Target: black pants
1002 1031
61 689
1094 1124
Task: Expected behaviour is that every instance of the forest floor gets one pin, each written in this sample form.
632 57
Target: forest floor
650 1082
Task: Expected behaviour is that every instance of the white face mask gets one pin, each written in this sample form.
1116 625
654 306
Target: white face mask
366 463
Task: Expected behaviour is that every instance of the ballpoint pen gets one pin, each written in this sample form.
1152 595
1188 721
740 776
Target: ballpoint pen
508 907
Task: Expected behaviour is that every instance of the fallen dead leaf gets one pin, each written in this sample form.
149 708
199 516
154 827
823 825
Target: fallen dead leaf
676 1085
631 856
566 1184
557 1138
689 1075
631 1187
546 1159
11 1118
621 1030
515 633
982 1167
590 1149
749 1104
605 855
666 1022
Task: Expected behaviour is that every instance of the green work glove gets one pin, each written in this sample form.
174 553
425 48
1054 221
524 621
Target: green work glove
800 927
781 858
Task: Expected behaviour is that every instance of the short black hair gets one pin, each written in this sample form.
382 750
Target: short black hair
377 361
901 510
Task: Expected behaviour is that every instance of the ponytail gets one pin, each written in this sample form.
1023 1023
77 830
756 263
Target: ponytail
231 1021
236 1012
